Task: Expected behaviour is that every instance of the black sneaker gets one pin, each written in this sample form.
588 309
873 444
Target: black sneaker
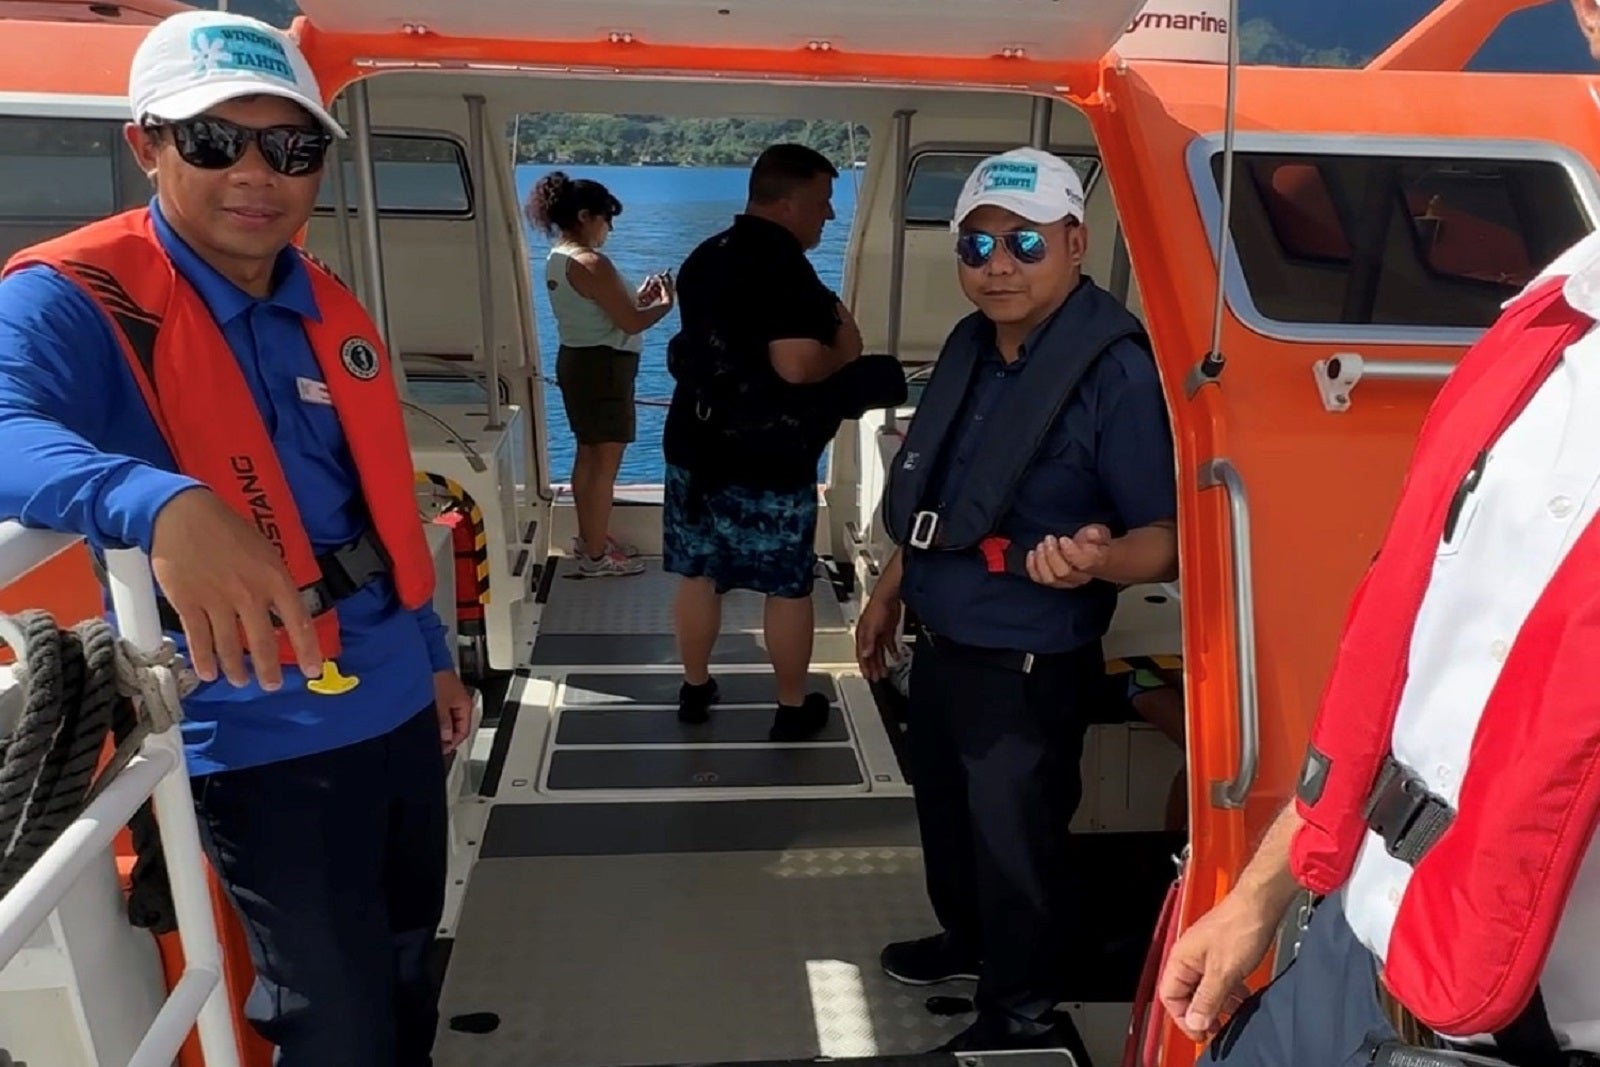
928 961
800 723
694 701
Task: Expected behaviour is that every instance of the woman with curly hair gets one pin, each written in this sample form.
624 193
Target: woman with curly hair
600 321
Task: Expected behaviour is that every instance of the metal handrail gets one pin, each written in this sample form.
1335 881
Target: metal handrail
158 771
1233 793
1338 375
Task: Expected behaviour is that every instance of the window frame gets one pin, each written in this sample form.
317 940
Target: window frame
345 154
1205 186
980 151
66 107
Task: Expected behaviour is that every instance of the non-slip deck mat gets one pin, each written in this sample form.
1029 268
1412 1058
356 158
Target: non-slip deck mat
708 768
660 726
599 829
661 650
642 604
690 958
745 687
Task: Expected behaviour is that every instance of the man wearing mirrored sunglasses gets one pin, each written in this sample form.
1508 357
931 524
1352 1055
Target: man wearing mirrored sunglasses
1036 477
182 379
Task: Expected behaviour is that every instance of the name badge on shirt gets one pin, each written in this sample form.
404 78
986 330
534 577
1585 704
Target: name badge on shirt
313 392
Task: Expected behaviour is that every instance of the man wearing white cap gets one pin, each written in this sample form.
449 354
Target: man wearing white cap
180 378
1036 477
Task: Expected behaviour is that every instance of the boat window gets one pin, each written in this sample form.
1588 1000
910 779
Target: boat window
1388 240
936 179
65 170
418 175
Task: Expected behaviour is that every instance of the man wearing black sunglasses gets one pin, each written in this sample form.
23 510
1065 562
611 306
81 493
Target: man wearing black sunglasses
1036 477
180 378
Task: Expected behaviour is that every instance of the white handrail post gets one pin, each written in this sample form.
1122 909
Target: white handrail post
133 595
158 771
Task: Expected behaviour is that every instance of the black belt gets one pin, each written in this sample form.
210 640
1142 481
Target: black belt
1402 811
344 570
1003 658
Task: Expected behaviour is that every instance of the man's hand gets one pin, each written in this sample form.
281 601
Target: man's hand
221 575
453 701
1203 979
1068 562
876 638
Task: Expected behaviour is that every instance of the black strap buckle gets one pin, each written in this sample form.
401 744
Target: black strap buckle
1402 811
349 567
344 571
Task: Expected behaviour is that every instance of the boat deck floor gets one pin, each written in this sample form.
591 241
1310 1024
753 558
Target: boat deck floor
649 893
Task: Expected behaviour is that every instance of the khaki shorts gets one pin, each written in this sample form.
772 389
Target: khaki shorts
597 391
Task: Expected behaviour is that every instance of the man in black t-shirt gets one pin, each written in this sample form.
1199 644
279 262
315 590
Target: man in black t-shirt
745 429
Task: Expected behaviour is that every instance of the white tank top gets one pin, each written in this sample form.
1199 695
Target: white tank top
580 321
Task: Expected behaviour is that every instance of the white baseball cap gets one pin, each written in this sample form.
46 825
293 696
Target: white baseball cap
193 61
1039 186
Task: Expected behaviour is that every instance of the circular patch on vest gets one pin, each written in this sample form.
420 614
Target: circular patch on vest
359 358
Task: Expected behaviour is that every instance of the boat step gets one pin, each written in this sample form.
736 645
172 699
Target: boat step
784 766
660 726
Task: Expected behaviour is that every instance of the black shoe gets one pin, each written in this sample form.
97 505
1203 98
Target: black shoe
996 1034
694 701
800 723
928 961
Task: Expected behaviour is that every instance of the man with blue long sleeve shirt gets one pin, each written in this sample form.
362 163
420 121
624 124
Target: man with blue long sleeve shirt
316 751
1036 477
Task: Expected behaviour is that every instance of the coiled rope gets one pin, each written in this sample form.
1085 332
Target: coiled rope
79 686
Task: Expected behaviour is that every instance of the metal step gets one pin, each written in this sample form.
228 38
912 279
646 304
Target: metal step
702 768
660 726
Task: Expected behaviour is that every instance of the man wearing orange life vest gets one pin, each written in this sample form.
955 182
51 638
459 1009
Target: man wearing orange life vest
181 379
1447 807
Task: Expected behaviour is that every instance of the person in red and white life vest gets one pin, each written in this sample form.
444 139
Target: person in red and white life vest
180 378
1444 819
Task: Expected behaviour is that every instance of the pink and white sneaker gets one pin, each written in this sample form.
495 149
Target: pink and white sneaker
612 545
609 565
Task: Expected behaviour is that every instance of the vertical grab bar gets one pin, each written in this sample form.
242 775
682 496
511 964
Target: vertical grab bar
1233 793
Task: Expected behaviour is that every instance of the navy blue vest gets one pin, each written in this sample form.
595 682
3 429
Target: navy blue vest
1089 323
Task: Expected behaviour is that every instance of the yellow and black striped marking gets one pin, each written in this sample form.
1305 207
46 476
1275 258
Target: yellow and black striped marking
480 539
1124 665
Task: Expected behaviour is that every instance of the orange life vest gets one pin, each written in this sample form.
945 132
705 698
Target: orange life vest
204 409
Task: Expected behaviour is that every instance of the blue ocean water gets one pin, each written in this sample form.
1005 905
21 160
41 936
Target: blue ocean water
666 212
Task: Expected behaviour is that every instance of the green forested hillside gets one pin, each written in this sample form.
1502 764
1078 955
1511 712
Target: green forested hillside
689 142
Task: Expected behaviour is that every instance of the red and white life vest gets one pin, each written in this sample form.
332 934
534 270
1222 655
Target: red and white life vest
1474 927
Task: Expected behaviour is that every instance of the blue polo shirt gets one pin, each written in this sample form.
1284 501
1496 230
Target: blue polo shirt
83 455
1108 459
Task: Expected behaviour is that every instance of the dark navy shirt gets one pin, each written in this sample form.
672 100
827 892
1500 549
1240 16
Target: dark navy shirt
1108 459
83 455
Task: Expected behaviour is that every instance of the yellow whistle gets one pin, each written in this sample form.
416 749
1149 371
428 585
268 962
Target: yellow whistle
332 683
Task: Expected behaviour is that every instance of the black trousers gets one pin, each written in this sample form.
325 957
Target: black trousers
994 754
335 864
1319 1012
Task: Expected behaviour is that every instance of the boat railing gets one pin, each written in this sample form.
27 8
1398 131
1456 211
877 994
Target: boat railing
158 770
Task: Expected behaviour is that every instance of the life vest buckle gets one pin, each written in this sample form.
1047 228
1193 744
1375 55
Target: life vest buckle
1403 812
924 524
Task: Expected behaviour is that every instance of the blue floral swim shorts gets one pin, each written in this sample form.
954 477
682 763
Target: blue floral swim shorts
741 538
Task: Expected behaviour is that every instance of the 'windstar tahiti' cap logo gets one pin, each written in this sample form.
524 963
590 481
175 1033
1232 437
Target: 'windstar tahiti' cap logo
237 50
